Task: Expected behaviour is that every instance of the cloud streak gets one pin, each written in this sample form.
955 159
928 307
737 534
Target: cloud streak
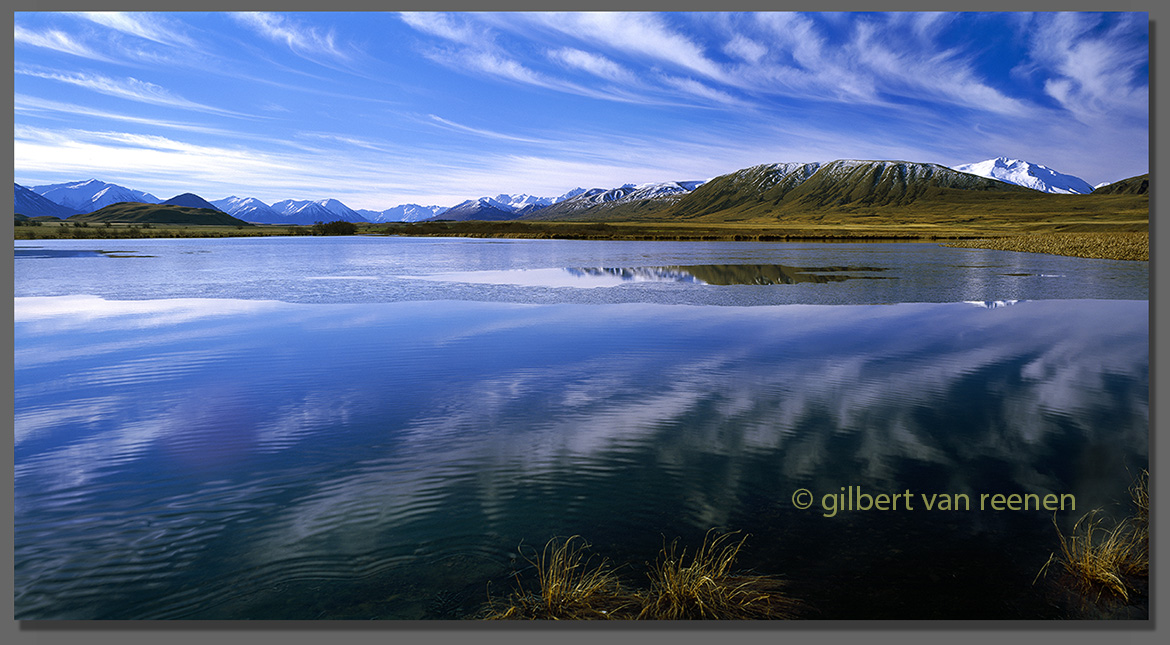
56 40
142 25
129 88
304 41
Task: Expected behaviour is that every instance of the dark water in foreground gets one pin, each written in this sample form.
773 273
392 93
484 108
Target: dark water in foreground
368 449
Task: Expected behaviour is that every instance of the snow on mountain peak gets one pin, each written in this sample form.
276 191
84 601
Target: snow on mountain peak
1030 175
90 195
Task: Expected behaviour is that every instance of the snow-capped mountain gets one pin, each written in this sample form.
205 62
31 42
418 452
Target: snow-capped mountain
582 199
516 202
1023 173
340 210
403 213
248 209
27 202
524 200
90 195
484 208
293 211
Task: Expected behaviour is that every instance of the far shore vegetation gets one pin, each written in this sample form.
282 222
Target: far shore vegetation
1123 240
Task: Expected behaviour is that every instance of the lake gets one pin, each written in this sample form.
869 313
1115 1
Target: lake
383 428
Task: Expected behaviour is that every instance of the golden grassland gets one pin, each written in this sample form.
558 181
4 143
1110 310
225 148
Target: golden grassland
1109 246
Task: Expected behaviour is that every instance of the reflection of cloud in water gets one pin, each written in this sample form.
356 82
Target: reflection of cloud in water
949 386
60 313
495 403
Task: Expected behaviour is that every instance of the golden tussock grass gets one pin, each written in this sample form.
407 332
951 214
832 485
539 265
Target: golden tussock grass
570 589
1097 558
706 588
573 587
1139 493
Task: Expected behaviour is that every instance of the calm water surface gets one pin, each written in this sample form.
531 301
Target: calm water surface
369 428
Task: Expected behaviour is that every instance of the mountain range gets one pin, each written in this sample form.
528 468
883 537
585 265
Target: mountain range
767 190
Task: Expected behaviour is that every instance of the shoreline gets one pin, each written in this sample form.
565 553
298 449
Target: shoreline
1112 245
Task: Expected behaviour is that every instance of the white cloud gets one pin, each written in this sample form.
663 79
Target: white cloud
302 40
444 26
695 88
745 48
143 25
55 40
1094 73
126 88
22 103
599 66
490 134
640 34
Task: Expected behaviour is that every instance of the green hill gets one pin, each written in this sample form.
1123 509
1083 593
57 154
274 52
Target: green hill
140 213
1139 185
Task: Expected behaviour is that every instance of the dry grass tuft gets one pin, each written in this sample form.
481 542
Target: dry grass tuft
570 589
706 588
1096 558
1140 494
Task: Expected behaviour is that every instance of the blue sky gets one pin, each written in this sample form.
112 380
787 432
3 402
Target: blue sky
381 109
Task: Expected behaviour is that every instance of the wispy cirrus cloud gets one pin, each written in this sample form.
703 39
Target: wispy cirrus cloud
56 40
644 35
446 26
1093 72
143 25
926 72
129 88
22 103
474 50
303 40
489 134
595 64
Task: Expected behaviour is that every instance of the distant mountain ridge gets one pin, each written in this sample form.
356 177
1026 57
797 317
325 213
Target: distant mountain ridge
90 195
248 209
788 190
629 198
1023 173
403 213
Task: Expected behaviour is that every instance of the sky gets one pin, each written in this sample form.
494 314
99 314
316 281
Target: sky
382 109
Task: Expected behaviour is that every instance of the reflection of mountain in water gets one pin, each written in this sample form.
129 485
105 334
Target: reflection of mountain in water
728 274
992 304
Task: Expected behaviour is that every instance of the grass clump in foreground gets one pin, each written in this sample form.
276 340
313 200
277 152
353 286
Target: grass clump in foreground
569 588
1098 559
702 588
707 588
